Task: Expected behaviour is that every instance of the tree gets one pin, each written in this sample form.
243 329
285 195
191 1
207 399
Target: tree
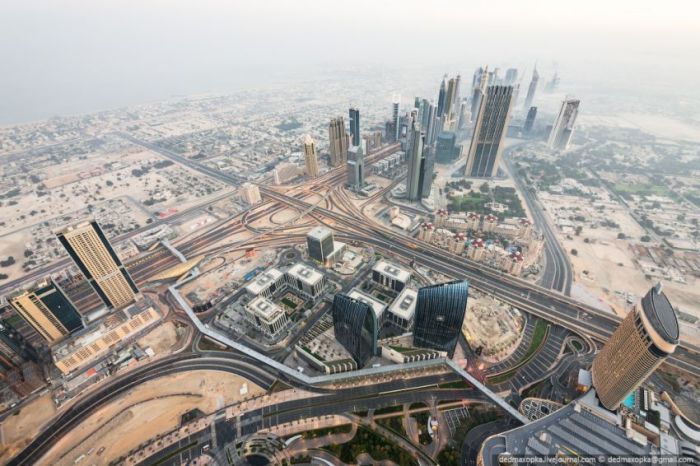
621 236
578 230
574 252
484 188
645 239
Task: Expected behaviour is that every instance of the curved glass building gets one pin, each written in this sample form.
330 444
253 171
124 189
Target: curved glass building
644 338
439 314
355 327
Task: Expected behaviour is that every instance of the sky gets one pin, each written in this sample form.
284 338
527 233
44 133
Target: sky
63 57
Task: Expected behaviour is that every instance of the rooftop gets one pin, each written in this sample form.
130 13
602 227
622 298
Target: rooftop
405 304
265 309
377 306
319 233
306 274
392 270
263 281
661 315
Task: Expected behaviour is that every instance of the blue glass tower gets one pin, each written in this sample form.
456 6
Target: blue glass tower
439 314
355 327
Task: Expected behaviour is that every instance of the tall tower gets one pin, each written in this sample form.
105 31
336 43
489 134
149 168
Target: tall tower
354 126
338 140
452 104
489 132
439 315
481 79
532 89
511 76
87 245
395 116
415 160
530 119
310 158
645 337
563 128
319 241
48 310
355 326
356 167
441 97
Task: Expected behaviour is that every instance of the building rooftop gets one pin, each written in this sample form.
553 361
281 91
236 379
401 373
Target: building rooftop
661 315
392 270
305 273
263 281
265 309
319 233
404 305
377 306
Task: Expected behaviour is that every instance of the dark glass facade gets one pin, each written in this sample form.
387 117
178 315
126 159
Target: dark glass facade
530 119
445 147
354 115
320 248
439 314
355 327
60 306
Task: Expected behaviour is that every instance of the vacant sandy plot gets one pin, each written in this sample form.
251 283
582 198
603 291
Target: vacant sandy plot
161 339
18 431
149 409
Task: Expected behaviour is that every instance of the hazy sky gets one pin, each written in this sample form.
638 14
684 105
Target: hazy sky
62 57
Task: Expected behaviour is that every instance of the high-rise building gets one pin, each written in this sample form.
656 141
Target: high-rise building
354 126
452 104
87 245
338 141
356 327
489 132
530 119
441 97
511 77
310 157
645 337
563 128
251 193
532 89
553 84
480 81
48 310
428 121
439 315
395 116
356 168
416 165
445 148
319 241
14 349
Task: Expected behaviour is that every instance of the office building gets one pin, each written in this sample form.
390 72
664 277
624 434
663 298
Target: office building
319 241
427 121
354 121
87 245
452 108
420 161
445 147
402 310
250 194
511 77
563 128
356 168
439 315
645 337
553 84
266 283
378 307
441 97
395 117
355 327
310 157
532 89
338 141
306 280
390 275
479 84
490 130
530 119
266 316
47 309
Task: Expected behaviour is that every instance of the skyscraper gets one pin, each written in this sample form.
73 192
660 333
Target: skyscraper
356 328
452 104
395 116
416 167
532 89
441 97
645 337
511 76
530 119
563 128
48 310
428 121
310 158
319 241
439 315
356 168
445 149
480 81
354 126
489 132
338 141
87 245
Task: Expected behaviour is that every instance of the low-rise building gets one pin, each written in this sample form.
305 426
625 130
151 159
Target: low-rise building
390 275
306 280
266 283
266 316
402 309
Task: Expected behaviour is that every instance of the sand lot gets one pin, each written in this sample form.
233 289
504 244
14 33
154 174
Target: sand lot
151 408
17 431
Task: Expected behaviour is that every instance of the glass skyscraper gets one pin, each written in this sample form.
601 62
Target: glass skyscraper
439 314
355 326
